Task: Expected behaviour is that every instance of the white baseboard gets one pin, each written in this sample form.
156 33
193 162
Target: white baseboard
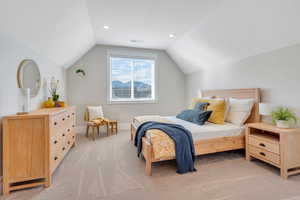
121 126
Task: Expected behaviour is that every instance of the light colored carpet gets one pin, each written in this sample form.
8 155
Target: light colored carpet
108 168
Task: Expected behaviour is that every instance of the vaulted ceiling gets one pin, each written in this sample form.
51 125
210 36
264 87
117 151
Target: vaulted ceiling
208 33
59 30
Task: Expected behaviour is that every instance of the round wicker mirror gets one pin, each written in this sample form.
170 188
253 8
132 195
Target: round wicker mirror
29 76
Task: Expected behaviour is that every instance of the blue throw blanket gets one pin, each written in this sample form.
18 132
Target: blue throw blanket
184 145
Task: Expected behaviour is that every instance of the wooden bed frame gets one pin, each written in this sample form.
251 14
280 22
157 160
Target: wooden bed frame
208 146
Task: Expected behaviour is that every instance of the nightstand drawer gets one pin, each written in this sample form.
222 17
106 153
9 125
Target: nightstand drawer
263 143
264 155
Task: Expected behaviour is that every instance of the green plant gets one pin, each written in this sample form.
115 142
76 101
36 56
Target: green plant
284 114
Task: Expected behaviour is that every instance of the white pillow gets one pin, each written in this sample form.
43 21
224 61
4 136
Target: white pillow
239 110
95 112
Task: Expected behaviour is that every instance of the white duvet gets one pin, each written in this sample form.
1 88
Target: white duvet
207 131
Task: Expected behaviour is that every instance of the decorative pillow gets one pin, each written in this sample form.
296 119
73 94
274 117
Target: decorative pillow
221 98
201 106
194 116
217 106
239 110
95 112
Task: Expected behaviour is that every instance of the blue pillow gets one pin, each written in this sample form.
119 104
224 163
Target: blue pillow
201 106
195 116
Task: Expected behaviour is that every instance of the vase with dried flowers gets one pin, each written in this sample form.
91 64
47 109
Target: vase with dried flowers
54 85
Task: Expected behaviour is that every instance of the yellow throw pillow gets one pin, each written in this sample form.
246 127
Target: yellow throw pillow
217 106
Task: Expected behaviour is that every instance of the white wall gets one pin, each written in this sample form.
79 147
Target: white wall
277 73
92 90
12 52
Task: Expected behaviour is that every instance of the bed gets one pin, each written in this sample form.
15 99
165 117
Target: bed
210 138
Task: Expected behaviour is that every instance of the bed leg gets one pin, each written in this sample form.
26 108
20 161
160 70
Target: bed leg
149 167
131 132
148 158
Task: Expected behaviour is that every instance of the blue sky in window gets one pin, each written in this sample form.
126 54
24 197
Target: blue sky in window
121 69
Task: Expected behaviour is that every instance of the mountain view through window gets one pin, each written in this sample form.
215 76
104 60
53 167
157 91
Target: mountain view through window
132 79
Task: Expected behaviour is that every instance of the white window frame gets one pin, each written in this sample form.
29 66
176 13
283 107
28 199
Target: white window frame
132 55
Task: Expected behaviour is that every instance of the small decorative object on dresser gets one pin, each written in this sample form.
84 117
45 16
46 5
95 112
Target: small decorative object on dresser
283 117
276 146
34 145
54 85
49 103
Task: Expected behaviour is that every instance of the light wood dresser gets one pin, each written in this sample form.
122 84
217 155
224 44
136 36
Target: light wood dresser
34 145
276 146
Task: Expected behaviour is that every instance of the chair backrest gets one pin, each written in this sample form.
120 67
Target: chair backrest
93 112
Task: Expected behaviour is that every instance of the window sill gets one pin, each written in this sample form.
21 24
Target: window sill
133 102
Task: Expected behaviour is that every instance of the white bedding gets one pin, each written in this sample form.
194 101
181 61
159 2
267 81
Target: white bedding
207 131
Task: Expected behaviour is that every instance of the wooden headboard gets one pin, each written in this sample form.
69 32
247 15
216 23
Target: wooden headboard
249 93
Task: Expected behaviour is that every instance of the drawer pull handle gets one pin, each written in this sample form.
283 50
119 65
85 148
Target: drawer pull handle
69 130
63 148
262 153
55 142
55 158
63 135
262 145
63 119
68 116
73 136
73 126
73 113
68 142
55 123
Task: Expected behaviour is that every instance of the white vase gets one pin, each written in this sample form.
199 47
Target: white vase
282 124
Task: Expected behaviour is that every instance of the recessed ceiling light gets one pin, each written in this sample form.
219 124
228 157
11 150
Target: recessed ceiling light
136 41
106 27
171 35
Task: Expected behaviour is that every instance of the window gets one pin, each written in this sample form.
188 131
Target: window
131 79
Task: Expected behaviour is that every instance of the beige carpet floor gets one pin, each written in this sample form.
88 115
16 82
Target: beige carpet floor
108 168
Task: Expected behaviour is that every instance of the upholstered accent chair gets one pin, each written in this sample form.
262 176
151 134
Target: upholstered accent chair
95 119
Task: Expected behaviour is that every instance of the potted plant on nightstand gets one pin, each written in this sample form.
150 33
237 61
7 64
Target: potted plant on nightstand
283 117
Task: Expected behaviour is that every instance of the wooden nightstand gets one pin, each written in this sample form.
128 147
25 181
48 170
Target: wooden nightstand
276 146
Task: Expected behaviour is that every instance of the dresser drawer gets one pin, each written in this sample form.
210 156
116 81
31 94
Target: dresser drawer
54 161
55 144
55 155
264 155
264 143
71 114
70 140
55 123
72 137
58 123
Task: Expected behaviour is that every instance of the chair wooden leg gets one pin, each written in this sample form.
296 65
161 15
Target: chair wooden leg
98 131
116 128
87 130
111 129
107 129
94 132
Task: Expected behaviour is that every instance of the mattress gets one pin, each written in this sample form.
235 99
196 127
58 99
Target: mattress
163 145
207 131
